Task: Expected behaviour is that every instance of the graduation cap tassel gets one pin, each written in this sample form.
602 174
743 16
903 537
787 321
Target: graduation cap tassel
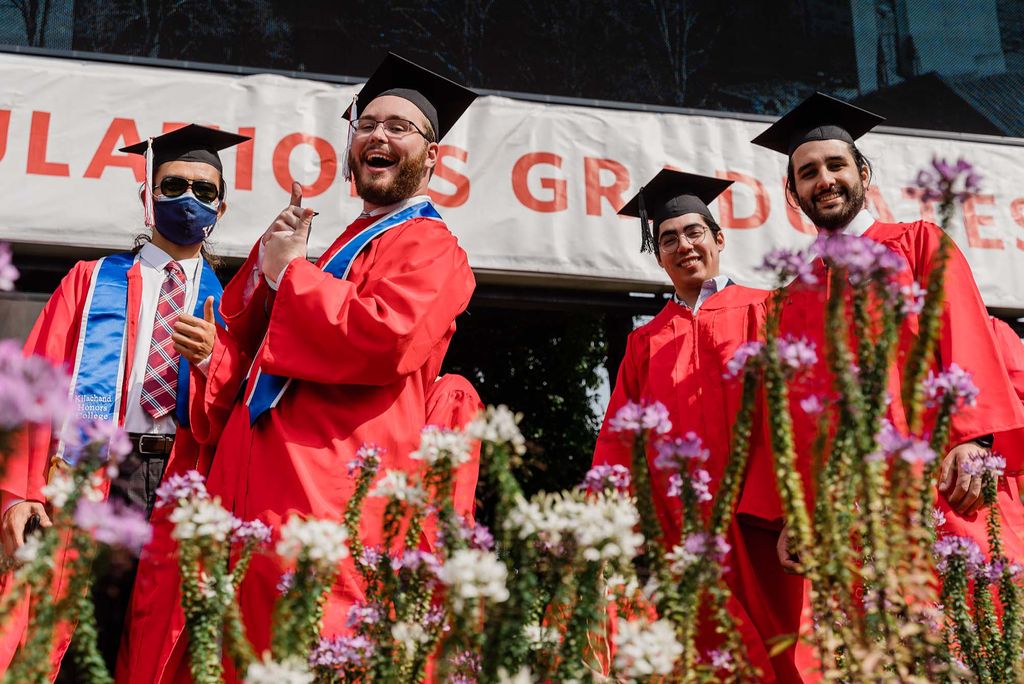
147 193
346 172
646 236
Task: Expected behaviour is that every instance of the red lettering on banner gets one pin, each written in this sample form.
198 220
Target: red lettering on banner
927 205
5 123
557 186
1017 212
243 159
445 172
120 133
793 213
762 205
323 149
877 202
973 222
592 168
38 137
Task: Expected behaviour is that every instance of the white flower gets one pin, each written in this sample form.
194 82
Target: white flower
605 528
645 648
437 443
524 676
202 518
541 637
322 541
291 671
59 489
29 551
498 425
548 516
472 574
410 635
395 485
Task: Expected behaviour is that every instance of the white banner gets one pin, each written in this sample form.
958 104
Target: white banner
530 189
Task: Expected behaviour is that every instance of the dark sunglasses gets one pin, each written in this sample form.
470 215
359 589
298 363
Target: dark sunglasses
175 186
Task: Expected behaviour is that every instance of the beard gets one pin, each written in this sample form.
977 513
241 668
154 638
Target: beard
834 219
380 191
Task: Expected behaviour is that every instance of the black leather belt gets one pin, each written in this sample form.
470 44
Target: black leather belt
151 445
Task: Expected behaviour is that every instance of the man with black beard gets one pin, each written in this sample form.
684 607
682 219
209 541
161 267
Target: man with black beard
828 176
326 358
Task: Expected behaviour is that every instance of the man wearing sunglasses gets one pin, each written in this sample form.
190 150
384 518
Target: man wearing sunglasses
320 359
113 323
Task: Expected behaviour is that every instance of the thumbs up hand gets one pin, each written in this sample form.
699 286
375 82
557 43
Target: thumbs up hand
287 236
194 337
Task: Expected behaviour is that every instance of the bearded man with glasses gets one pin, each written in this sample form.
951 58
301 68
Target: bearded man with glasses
114 323
319 359
681 359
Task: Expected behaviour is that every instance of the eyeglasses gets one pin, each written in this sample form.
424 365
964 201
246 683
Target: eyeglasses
670 242
175 186
393 128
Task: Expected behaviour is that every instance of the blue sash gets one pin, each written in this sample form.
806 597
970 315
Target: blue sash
98 375
268 389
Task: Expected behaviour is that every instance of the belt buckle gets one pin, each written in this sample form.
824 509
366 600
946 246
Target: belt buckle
152 444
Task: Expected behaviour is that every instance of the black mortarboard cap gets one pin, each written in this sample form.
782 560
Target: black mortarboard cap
669 194
819 117
442 101
190 143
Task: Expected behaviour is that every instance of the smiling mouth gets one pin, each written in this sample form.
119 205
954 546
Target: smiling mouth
379 160
689 261
829 196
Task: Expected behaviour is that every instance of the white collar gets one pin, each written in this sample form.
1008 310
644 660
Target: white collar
707 288
380 211
860 223
158 259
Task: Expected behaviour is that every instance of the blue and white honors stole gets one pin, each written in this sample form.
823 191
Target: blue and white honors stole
99 371
267 389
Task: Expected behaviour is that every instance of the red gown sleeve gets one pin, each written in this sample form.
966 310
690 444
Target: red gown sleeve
452 402
966 339
1011 349
246 316
379 329
614 448
54 337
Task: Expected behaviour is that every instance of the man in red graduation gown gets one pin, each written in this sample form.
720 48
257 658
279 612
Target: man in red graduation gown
680 359
110 322
828 176
345 350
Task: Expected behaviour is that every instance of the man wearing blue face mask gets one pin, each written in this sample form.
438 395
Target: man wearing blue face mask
114 323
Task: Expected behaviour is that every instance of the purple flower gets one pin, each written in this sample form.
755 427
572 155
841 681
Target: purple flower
945 181
8 273
32 390
982 463
954 382
107 434
862 258
284 584
963 548
477 536
702 544
603 477
720 659
891 443
993 572
938 517
114 524
335 653
642 417
371 556
367 458
253 531
812 405
363 615
797 354
675 484
738 362
175 488
700 481
911 298
675 453
414 560
788 265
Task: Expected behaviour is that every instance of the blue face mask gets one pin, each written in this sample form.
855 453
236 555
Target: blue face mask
184 220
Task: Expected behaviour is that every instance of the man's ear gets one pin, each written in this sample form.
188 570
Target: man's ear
222 209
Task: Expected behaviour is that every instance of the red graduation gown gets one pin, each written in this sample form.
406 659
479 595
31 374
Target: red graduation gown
679 359
452 402
55 337
364 352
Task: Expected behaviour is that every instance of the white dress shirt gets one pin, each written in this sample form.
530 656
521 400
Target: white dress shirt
707 288
860 223
152 260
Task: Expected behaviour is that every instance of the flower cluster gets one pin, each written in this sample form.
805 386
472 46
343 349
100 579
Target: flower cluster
321 541
368 457
641 417
202 518
677 453
954 383
179 488
472 574
395 485
114 524
796 354
268 671
644 649
700 482
8 273
911 299
862 258
498 425
439 443
604 476
893 444
744 353
788 264
695 547
251 531
111 439
952 546
477 536
945 181
32 390
339 652
59 490
982 463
